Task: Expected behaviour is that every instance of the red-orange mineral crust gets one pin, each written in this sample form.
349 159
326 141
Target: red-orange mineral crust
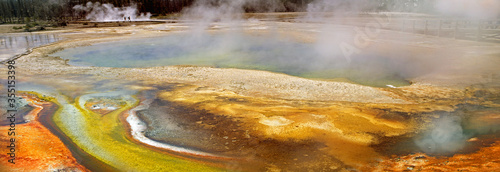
486 159
36 148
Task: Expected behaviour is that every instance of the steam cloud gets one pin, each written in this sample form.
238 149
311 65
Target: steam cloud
108 12
339 6
230 10
477 9
329 52
446 137
337 45
207 12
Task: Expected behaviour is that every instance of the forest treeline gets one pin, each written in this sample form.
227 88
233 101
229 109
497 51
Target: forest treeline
25 11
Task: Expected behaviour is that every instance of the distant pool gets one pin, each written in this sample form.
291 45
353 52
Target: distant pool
12 44
244 51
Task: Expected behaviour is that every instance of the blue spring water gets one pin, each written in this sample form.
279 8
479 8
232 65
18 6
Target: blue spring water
264 52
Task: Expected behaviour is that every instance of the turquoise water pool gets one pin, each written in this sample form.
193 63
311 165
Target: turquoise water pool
259 52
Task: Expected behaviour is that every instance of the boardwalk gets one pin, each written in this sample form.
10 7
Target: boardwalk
479 30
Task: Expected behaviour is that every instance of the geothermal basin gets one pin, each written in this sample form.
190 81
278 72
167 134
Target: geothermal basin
266 96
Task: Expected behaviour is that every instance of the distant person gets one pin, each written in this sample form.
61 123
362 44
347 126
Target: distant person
124 18
129 18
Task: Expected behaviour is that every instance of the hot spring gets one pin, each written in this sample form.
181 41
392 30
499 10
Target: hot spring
195 118
244 51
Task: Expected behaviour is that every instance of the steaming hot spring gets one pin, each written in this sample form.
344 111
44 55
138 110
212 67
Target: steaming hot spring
264 51
268 96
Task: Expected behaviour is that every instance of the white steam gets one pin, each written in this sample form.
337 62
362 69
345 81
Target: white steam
475 9
344 37
228 10
335 6
108 12
205 13
337 41
446 137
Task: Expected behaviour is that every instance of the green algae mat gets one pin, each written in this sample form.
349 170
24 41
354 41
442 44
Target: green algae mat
104 137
